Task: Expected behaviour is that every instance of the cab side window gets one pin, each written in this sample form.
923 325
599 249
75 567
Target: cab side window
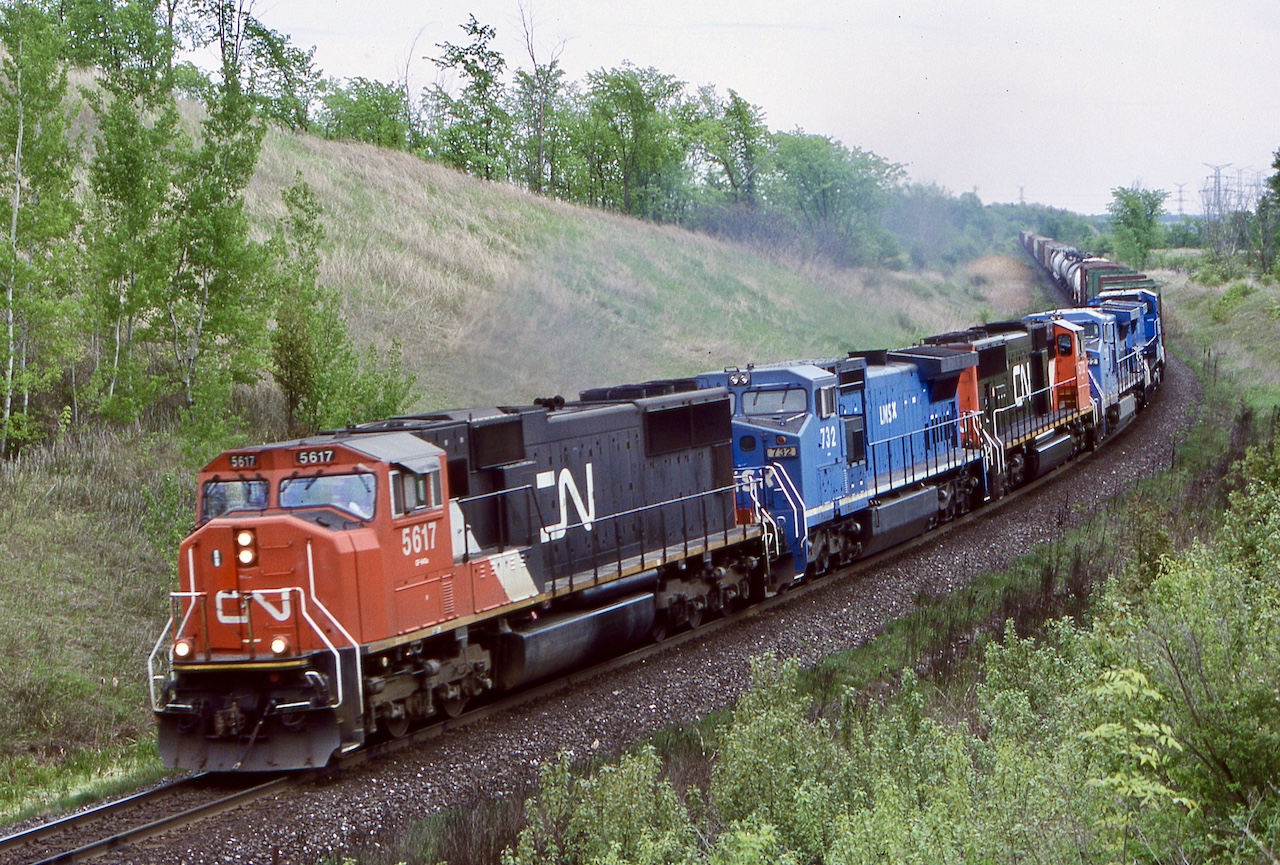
826 402
412 492
1064 343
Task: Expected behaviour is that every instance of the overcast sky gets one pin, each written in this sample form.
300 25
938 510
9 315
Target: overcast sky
1056 101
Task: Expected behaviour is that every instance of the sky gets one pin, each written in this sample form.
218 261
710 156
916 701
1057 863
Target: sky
1049 102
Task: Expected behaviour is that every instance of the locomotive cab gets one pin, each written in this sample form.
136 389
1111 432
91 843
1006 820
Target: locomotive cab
281 585
788 444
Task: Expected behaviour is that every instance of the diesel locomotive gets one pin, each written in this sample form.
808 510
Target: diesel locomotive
352 583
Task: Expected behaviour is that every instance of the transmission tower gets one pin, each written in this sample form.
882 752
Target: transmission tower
1217 184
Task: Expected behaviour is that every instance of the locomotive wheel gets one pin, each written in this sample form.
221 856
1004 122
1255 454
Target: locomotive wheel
397 728
823 565
658 632
452 707
694 618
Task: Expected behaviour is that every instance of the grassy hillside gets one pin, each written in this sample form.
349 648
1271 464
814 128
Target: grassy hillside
497 297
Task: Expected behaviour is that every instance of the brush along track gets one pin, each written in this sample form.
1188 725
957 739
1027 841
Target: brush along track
676 682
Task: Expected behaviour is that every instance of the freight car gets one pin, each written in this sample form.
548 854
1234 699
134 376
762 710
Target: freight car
1081 276
348 584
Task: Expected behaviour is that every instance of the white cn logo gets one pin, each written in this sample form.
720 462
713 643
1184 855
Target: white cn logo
1021 383
237 612
569 492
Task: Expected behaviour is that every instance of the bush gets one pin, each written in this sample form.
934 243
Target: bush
621 813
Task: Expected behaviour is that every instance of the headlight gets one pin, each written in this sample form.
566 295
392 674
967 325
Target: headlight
183 649
279 645
246 547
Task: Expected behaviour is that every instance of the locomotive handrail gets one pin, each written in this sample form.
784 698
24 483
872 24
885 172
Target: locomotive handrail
958 455
750 486
337 658
151 669
530 498
660 508
1021 421
788 490
657 507
168 629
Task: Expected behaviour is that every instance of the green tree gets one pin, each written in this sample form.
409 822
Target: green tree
214 314
131 241
214 305
537 102
366 110
837 192
1264 234
36 179
733 141
325 381
622 813
633 141
475 128
1135 222
280 77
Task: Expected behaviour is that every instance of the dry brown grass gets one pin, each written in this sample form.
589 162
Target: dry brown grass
498 296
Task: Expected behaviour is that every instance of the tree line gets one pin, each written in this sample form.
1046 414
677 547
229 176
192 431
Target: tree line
131 283
631 139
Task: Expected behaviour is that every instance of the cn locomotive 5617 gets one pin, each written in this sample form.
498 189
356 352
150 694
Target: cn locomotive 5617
352 583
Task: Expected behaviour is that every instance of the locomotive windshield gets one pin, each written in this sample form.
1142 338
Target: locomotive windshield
789 400
352 493
223 497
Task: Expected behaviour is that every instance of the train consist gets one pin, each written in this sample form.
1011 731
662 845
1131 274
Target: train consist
349 584
1081 276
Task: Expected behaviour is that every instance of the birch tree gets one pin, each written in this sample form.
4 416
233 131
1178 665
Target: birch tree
36 180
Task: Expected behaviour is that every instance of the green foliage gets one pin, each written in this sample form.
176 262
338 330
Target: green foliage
733 141
1226 304
38 251
757 845
1212 639
777 768
476 127
1135 222
1186 233
213 302
539 109
366 110
131 234
837 191
279 77
326 382
1133 750
623 813
631 141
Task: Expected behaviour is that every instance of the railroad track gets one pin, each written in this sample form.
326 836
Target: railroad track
82 836
112 826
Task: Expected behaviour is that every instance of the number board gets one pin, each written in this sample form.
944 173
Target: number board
780 453
315 458
243 461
